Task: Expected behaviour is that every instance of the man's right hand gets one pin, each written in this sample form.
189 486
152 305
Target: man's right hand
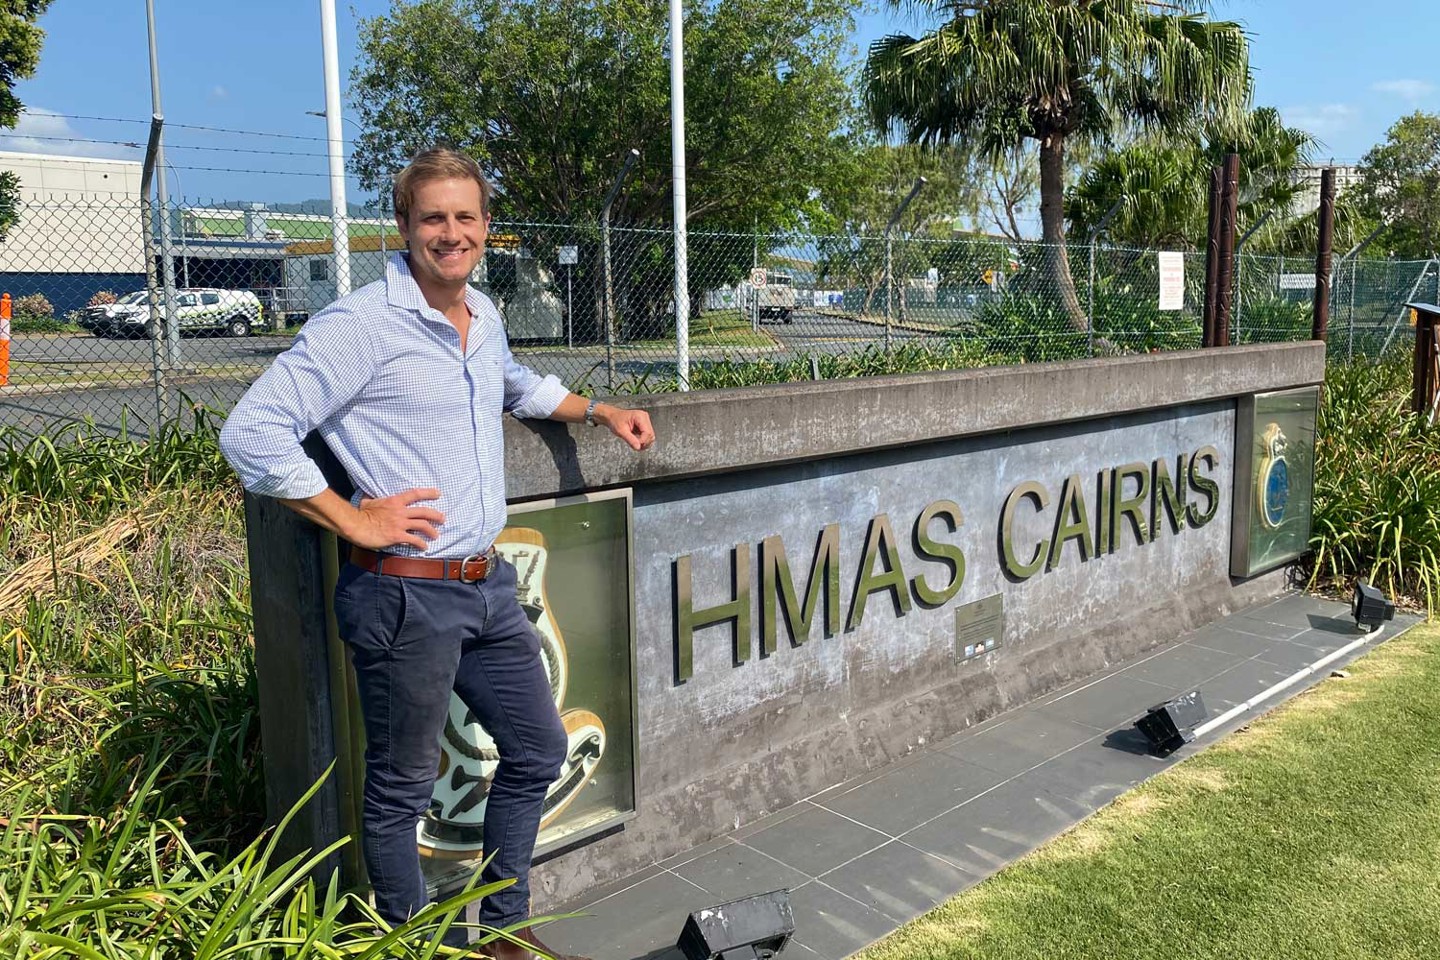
391 521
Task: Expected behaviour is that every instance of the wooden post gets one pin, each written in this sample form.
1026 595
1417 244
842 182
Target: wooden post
1212 260
1426 383
1326 253
1225 270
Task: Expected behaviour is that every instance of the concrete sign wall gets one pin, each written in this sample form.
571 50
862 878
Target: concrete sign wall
828 575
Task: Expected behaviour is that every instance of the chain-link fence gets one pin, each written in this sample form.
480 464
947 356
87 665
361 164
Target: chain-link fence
90 339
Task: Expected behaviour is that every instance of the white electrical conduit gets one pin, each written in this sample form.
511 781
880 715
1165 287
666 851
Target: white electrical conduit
1289 681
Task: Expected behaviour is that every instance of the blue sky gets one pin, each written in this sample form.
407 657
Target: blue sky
1343 71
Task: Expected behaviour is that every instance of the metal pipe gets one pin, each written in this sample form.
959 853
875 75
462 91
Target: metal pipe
608 307
1095 233
147 233
889 267
339 230
1239 248
677 178
167 254
1212 259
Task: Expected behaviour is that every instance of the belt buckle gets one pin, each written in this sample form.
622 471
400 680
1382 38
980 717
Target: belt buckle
481 557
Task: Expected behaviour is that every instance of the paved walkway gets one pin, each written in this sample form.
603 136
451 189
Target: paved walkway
863 857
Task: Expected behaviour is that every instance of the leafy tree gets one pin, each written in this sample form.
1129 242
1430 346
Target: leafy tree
549 97
1163 186
1400 186
20 41
1058 72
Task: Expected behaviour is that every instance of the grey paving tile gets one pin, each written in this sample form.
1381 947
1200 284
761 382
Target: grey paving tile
1217 636
643 920
1107 703
908 797
1293 611
739 871
1260 629
816 841
1097 772
1022 740
1290 657
695 852
990 831
584 903
1182 666
899 881
1240 684
832 924
778 817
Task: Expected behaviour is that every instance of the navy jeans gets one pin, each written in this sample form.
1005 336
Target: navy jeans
413 641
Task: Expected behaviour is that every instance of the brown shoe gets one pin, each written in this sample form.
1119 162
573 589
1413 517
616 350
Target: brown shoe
505 950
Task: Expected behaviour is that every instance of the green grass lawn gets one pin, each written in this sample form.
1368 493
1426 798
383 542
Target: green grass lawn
1313 833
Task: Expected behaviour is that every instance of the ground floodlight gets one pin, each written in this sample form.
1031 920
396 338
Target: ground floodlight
1170 725
754 928
1370 607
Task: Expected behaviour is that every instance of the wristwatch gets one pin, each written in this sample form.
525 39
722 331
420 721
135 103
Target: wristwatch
590 412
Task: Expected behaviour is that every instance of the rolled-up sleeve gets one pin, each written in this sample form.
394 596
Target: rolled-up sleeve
527 393
331 361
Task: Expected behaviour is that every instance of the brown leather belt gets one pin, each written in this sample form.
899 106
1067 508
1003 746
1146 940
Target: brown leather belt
471 569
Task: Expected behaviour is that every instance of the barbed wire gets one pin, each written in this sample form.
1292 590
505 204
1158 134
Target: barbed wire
185 126
169 146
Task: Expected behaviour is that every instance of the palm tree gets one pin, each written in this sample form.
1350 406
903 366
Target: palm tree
998 72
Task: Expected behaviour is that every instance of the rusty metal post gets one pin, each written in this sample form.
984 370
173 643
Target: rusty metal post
1325 255
1225 269
1425 387
1212 260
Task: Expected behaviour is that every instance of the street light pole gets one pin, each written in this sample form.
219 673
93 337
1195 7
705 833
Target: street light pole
162 196
339 230
677 176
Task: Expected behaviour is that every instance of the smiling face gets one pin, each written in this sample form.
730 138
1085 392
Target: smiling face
445 229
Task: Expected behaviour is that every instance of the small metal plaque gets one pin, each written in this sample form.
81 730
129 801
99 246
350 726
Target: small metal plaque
979 626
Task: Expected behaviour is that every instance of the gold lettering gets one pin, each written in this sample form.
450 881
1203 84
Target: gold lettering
879 542
1204 485
1131 506
1072 522
777 588
1029 490
1102 515
1169 495
688 619
949 554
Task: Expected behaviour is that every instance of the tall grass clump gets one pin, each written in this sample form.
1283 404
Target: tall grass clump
1377 484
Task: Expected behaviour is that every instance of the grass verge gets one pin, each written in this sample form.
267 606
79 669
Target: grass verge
1313 833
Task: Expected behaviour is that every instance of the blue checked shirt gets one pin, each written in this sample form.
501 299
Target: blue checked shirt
379 374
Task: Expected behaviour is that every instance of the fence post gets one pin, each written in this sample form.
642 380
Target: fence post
1425 386
1319 328
1225 272
1212 260
6 308
147 233
889 274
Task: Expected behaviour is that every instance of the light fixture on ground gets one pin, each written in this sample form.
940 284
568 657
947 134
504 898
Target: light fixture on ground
755 928
1370 607
1170 725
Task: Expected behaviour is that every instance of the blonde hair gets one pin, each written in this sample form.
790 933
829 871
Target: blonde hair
437 163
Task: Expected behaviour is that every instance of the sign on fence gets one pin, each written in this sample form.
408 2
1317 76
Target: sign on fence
569 256
1172 280
1297 281
757 277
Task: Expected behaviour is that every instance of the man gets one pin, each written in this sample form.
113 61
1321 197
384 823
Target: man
407 380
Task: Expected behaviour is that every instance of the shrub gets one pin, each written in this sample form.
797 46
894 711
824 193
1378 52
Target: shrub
35 306
1377 484
100 298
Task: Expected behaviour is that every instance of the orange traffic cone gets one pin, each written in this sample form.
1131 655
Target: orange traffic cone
5 309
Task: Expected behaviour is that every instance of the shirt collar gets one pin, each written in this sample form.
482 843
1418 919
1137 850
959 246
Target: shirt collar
402 291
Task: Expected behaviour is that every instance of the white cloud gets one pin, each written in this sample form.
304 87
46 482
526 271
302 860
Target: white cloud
1412 91
1324 120
45 131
